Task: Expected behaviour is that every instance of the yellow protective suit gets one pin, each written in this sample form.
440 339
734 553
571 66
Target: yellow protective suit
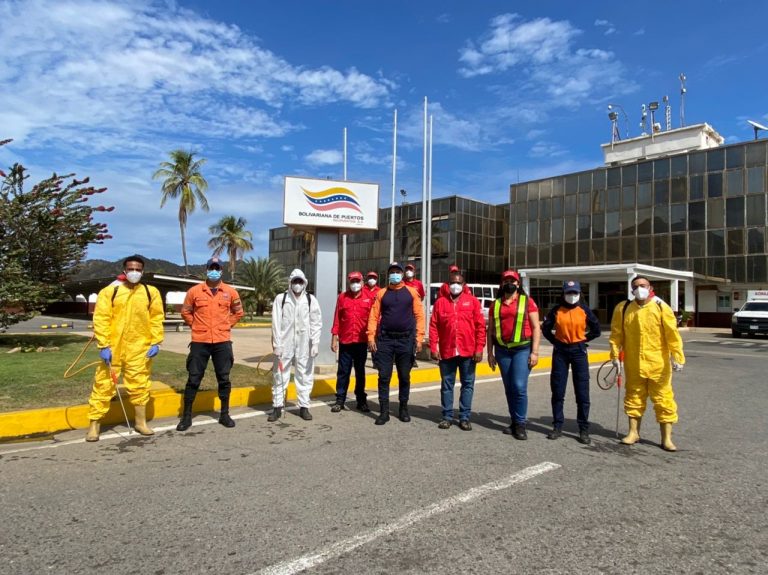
649 337
129 324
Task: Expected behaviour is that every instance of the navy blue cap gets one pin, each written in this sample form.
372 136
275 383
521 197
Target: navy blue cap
211 262
395 265
571 286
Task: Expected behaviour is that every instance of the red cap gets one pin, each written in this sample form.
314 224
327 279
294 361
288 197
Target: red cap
372 274
510 274
410 267
355 276
453 268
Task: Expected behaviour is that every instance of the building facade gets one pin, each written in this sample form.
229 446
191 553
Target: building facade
703 211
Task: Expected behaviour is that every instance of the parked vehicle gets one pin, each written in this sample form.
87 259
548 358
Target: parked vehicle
752 318
486 293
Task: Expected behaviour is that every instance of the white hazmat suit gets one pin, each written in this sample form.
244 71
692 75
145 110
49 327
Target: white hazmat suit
296 325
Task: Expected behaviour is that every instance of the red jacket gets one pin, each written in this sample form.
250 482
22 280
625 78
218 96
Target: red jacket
372 291
350 320
457 326
415 284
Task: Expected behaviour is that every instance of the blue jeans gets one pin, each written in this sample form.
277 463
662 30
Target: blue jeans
466 367
351 355
513 364
576 356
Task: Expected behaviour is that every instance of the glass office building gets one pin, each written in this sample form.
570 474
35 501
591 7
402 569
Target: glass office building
701 211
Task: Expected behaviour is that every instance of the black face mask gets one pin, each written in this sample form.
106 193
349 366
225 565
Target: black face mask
509 288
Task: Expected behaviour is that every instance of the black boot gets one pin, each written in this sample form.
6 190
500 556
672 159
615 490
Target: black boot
186 418
224 417
518 431
403 414
384 412
362 405
584 437
277 412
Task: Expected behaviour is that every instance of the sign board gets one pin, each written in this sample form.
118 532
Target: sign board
310 202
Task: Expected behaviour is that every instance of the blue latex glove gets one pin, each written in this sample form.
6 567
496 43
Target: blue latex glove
153 350
105 353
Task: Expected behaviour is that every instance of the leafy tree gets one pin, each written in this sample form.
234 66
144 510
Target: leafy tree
231 237
267 277
183 179
44 235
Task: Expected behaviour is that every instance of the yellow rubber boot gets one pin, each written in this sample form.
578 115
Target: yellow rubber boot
633 436
666 437
141 420
93 431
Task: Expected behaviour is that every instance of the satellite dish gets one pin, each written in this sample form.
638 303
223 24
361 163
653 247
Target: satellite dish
757 127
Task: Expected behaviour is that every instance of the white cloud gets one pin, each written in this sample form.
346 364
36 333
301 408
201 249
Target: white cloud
549 69
324 158
116 67
543 149
639 32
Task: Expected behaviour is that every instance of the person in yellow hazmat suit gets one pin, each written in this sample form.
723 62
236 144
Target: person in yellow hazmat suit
645 329
128 325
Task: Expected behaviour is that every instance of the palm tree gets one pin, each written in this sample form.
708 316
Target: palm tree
232 237
267 277
182 179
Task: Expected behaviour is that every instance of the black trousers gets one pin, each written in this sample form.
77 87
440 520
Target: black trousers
197 361
399 351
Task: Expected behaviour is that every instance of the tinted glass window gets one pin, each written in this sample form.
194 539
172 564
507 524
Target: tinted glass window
628 175
679 189
734 180
612 224
756 154
598 225
679 165
661 169
755 210
735 244
628 198
715 185
628 223
661 220
697 244
734 212
678 216
697 163
696 216
716 243
645 172
661 192
644 221
734 157
644 195
598 179
571 185
715 160
614 177
715 213
756 180
696 187
678 245
612 199
755 240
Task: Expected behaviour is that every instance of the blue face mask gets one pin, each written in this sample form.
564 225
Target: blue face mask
395 278
214 275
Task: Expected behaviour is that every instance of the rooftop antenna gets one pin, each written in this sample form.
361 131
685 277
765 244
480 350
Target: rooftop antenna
667 113
653 106
682 100
757 127
643 120
614 118
623 113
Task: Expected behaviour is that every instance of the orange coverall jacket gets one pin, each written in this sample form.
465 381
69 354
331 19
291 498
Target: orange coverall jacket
211 316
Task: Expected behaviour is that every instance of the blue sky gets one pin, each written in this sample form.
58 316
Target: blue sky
264 89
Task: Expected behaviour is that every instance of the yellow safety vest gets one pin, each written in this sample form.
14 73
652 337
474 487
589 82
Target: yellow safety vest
517 335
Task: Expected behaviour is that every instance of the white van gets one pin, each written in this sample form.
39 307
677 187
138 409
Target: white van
752 318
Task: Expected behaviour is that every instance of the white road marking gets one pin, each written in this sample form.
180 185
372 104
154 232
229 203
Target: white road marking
345 546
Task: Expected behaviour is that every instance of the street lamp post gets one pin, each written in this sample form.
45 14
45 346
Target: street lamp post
626 118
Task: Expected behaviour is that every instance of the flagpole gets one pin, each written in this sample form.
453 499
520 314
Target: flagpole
428 272
424 199
344 236
394 177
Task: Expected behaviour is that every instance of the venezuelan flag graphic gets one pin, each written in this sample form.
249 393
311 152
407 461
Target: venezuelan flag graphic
332 199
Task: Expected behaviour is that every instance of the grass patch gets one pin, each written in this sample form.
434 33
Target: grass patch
33 380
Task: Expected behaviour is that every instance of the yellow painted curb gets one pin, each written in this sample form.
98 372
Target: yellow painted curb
166 402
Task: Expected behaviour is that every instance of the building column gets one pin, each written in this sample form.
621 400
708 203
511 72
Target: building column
326 281
593 291
690 303
673 295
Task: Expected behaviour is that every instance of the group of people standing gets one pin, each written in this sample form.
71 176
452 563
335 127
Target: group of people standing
389 322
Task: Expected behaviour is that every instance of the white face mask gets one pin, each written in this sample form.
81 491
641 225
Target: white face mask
297 288
571 298
372 282
354 287
409 274
133 277
641 293
456 289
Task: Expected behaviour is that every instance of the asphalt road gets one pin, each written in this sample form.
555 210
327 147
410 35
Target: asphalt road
339 494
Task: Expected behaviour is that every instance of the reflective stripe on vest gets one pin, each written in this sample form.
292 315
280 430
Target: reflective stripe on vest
517 336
